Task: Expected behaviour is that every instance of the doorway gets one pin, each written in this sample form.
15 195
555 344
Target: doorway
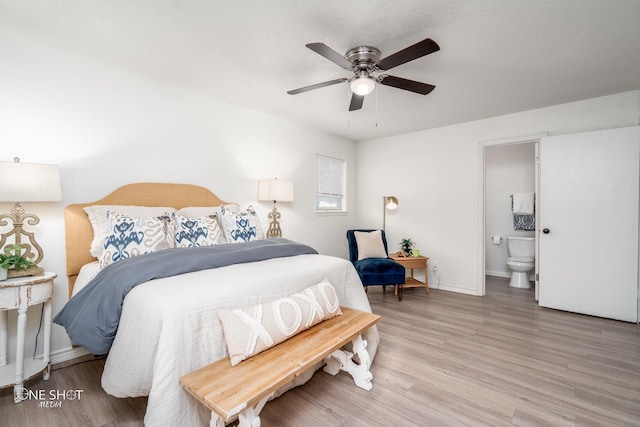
506 167
509 169
587 188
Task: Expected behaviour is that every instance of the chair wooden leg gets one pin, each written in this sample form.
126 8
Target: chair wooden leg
399 292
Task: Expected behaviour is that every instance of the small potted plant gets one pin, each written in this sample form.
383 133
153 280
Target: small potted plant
406 245
12 258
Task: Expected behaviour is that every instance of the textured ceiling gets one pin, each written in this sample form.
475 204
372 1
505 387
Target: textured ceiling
497 56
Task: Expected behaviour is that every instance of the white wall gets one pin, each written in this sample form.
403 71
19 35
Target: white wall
509 169
106 128
436 176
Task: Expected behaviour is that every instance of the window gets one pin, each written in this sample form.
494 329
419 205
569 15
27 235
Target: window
331 185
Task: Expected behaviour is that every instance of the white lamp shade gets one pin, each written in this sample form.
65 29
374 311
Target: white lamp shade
29 182
278 190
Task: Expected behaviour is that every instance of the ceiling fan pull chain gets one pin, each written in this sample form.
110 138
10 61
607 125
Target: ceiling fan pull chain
348 92
377 90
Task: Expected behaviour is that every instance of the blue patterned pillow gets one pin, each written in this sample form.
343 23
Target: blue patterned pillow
204 231
241 226
129 237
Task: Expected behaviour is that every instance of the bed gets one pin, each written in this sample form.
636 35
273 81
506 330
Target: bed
169 326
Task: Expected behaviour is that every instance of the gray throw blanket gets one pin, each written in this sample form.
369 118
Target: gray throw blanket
92 316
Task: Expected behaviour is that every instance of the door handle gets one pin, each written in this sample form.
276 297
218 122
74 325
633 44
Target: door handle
546 230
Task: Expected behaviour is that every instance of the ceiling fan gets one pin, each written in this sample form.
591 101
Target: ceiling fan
365 62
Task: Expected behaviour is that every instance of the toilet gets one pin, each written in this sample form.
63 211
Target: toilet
521 260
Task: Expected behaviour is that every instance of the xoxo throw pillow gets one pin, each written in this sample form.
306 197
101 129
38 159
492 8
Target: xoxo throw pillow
251 330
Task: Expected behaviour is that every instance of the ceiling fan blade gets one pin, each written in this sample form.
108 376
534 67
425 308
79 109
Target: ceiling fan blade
418 50
316 86
330 54
356 102
410 85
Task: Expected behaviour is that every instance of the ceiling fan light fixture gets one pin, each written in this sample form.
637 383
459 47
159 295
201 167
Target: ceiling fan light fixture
362 85
364 61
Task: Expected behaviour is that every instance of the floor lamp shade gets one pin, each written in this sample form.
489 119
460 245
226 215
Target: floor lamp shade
388 202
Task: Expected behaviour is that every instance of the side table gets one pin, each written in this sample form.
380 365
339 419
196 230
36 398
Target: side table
411 263
20 293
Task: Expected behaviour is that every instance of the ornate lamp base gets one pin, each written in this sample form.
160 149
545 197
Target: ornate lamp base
30 249
34 270
274 226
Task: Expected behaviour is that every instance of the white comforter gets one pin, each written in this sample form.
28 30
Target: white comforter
169 327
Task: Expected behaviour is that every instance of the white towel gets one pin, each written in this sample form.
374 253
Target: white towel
523 203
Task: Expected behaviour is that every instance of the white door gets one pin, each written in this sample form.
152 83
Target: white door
588 223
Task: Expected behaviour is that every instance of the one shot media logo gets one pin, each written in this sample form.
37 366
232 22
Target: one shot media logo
49 398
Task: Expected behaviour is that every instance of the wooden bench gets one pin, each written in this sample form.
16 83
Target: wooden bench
242 390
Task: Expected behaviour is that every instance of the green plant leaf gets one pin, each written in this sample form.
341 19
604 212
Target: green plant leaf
15 260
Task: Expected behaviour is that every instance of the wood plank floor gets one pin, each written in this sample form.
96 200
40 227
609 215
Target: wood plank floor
444 359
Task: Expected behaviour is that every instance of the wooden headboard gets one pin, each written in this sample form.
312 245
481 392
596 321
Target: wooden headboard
78 231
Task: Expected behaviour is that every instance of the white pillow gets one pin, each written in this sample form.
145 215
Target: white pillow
251 330
98 217
200 211
370 244
203 231
129 236
241 226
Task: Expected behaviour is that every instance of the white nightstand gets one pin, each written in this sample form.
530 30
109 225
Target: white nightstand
20 293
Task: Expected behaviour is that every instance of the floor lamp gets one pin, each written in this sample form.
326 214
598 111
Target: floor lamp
388 202
276 190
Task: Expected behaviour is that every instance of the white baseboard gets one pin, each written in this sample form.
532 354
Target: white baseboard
450 288
497 273
68 354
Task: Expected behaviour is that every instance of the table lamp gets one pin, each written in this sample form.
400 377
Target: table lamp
277 190
26 182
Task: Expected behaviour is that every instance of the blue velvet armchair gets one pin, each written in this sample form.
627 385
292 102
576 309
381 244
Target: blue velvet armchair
376 271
